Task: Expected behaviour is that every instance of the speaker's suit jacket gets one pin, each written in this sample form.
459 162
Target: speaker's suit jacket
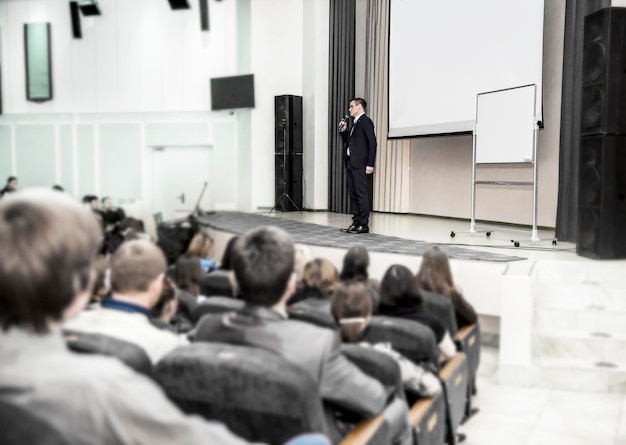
362 142
315 349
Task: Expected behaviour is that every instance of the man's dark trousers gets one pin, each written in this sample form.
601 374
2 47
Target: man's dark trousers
357 190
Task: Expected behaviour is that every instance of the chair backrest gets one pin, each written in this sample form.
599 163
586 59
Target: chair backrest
21 427
440 307
377 365
130 354
304 311
257 394
412 339
216 284
216 305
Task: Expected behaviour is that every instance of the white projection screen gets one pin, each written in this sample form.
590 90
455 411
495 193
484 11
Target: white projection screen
443 53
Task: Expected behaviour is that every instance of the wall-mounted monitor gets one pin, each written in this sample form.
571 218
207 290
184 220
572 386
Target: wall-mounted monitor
228 93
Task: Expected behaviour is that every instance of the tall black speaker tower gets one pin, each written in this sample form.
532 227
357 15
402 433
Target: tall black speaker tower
602 162
288 152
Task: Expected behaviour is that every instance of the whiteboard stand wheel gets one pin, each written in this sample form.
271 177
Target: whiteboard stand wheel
554 242
515 243
488 234
452 234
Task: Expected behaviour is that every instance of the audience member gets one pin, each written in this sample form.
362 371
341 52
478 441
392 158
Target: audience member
435 276
400 297
228 253
200 247
10 187
263 261
356 263
187 277
302 257
319 280
57 188
101 286
111 215
352 310
164 311
48 245
137 272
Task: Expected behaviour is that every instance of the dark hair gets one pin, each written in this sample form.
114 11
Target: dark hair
434 274
11 178
134 265
361 101
351 300
355 264
167 294
48 244
399 288
228 254
57 188
321 277
188 274
104 199
263 260
89 198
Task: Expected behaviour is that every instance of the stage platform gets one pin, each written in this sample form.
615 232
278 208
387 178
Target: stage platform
559 319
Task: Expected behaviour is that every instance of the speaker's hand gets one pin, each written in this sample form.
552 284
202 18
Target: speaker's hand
343 126
369 170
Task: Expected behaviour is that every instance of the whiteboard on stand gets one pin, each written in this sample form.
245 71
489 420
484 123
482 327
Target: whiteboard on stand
505 124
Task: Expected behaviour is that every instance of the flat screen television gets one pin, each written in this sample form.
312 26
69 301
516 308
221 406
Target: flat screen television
232 92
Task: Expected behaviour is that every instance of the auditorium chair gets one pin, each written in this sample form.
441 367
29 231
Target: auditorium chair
130 354
305 312
417 343
468 341
20 427
440 307
377 365
216 284
216 305
257 394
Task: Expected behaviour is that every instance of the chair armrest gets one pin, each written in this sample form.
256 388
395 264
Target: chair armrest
451 366
364 431
463 334
419 410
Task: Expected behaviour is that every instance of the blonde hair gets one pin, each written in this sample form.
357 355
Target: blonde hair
320 274
201 245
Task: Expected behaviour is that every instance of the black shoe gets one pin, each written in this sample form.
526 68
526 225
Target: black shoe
360 229
349 229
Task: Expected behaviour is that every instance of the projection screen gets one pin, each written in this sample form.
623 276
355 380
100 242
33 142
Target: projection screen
443 53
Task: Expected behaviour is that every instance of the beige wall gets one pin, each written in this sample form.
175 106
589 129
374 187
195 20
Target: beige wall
440 177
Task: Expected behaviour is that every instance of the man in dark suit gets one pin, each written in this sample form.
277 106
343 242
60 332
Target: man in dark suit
263 261
359 158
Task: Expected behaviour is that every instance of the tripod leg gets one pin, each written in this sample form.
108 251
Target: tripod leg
293 203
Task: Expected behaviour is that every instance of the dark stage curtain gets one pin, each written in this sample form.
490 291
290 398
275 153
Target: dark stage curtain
341 90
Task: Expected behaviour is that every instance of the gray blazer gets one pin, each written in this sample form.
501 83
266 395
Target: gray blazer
316 350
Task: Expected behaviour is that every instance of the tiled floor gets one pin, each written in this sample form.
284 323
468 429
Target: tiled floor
537 416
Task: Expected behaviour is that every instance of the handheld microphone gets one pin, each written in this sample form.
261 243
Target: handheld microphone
344 120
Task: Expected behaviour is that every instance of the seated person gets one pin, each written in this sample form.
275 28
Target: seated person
319 280
10 187
228 252
200 247
263 261
137 272
435 276
52 243
356 263
400 298
352 310
164 312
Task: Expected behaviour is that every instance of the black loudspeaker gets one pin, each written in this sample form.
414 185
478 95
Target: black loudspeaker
75 16
38 62
288 117
602 197
288 151
604 73
179 4
204 15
